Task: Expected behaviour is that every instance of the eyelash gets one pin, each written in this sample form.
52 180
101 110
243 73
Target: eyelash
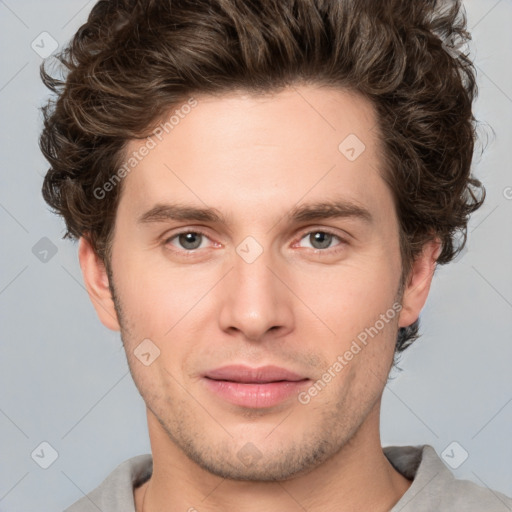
327 251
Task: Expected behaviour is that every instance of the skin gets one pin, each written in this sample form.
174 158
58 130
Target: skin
253 159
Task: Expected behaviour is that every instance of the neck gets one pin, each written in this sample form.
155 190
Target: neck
357 477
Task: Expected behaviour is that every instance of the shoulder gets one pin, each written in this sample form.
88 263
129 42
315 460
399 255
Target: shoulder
115 493
434 487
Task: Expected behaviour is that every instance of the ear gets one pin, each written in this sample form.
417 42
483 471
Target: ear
96 283
418 283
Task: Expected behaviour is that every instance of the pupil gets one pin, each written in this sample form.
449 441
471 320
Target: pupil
190 240
320 240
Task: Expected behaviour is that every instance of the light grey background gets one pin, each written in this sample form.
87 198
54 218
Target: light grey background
64 377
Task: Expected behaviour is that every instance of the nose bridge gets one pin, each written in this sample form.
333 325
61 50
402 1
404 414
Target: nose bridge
255 300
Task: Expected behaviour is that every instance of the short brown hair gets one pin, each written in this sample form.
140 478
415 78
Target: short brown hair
133 60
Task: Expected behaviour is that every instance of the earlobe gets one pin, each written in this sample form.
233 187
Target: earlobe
97 284
418 283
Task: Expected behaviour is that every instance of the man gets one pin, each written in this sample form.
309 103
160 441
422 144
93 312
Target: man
262 191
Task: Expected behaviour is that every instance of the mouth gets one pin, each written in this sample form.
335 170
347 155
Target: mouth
254 388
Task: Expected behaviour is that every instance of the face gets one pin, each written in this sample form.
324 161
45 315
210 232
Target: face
257 234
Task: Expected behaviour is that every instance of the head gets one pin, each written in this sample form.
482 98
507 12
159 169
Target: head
317 154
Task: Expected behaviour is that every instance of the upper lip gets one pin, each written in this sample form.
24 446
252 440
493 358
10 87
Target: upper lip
246 374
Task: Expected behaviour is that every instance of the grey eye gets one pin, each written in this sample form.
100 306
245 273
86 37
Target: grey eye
190 240
320 239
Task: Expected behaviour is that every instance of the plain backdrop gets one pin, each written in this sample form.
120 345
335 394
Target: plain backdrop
64 378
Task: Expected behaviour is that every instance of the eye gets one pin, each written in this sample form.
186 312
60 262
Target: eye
188 240
320 240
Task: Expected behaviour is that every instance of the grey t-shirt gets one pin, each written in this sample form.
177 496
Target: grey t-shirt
434 488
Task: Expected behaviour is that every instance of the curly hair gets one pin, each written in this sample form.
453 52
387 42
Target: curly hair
135 60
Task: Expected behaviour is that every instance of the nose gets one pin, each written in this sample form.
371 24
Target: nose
255 299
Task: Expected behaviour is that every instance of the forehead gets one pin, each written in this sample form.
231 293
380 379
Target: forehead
238 151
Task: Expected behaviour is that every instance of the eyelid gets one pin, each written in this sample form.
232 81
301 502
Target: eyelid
323 229
198 231
306 231
319 229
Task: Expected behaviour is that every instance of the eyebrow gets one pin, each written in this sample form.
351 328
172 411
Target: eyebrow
304 213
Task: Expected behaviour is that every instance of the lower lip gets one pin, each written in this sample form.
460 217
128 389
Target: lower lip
255 395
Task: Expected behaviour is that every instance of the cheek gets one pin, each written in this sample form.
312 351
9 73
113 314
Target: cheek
356 303
155 297
353 295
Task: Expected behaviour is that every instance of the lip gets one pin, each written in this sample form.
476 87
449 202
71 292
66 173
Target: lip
248 375
255 388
